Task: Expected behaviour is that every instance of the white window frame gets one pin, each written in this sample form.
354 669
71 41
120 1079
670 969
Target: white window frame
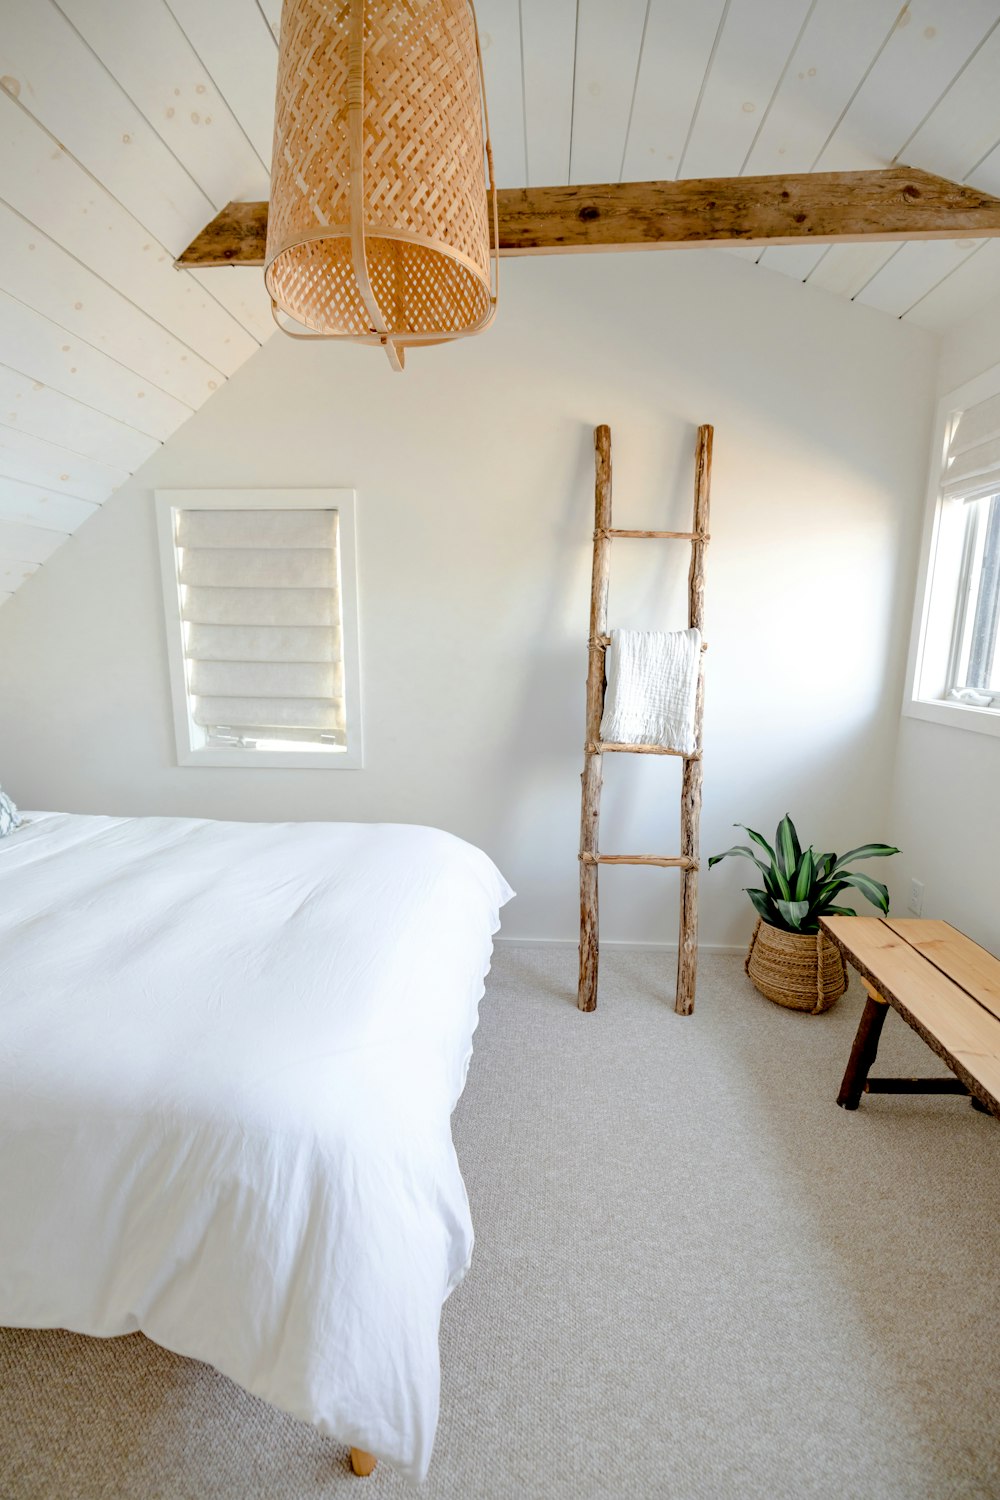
932 635
189 752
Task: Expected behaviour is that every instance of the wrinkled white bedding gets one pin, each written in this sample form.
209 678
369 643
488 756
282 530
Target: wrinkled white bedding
228 1057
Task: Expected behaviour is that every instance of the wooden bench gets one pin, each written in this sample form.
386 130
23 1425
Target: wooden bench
943 985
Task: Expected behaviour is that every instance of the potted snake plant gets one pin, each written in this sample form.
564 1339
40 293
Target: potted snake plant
790 960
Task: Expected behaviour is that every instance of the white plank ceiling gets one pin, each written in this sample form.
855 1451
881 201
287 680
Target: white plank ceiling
126 124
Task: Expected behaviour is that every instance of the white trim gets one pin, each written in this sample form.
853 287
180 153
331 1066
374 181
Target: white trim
917 705
619 943
955 715
343 501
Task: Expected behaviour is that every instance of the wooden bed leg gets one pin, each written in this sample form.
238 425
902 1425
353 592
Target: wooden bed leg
864 1049
362 1463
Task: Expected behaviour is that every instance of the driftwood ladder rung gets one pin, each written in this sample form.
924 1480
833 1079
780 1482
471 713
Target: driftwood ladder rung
595 748
673 536
607 746
674 861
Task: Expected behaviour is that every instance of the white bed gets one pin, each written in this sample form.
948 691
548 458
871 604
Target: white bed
228 1057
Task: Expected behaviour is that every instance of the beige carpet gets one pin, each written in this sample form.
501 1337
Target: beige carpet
695 1278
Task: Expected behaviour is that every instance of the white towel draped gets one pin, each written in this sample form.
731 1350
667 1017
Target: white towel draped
652 688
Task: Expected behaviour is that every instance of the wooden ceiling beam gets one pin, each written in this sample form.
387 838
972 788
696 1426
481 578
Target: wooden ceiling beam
897 203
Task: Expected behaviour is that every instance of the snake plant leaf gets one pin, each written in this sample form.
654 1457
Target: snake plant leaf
801 887
788 847
827 892
774 880
758 839
874 890
804 877
764 906
746 851
794 913
866 851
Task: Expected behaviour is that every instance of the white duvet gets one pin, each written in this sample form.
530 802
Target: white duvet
228 1057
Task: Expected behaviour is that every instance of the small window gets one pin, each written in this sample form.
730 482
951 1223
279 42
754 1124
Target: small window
975 674
259 589
955 658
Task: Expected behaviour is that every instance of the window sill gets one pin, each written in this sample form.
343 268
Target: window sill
274 760
954 715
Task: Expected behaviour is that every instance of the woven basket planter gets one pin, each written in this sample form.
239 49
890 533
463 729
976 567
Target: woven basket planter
801 970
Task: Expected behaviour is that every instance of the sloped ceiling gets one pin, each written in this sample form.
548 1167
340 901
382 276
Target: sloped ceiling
126 124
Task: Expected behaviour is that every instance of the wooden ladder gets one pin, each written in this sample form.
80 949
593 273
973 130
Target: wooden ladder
594 749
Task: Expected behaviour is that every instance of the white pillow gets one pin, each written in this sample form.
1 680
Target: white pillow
10 818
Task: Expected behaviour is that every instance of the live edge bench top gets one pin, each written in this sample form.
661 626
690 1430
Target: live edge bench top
942 983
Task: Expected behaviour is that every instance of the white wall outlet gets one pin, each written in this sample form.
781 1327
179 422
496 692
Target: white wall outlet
916 901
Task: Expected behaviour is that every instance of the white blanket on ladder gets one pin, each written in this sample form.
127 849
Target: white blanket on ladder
652 688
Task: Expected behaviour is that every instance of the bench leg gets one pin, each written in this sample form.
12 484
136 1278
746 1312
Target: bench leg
362 1463
864 1050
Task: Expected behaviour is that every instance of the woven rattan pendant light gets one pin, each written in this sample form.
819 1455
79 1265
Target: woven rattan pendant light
379 221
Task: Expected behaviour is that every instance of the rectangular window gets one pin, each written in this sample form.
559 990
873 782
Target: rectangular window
260 597
975 674
955 655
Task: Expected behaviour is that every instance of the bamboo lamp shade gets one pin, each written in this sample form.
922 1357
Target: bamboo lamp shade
379 222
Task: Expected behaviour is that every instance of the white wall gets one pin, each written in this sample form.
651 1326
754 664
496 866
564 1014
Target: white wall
474 480
945 796
970 348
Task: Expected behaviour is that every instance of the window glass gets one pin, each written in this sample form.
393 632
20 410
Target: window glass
975 671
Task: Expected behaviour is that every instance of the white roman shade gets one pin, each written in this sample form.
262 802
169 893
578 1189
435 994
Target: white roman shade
972 465
261 621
